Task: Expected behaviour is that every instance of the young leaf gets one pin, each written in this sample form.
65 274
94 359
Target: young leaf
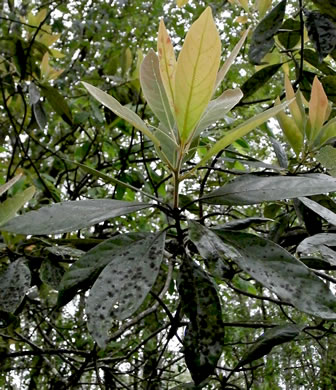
154 91
323 212
83 273
123 285
203 341
69 216
272 337
11 206
167 62
14 282
196 72
318 106
262 38
122 111
294 107
5 187
280 272
217 108
251 189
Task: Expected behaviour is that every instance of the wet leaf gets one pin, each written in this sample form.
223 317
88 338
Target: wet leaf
69 216
123 285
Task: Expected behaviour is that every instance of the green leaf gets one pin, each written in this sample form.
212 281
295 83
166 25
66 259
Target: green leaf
11 206
262 38
329 85
51 273
322 32
210 247
40 115
203 341
280 272
259 79
123 285
217 109
34 94
327 157
122 111
264 344
290 37
313 59
69 216
322 211
251 189
14 284
58 103
154 91
319 244
82 274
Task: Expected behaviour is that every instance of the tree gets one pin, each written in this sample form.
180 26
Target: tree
174 235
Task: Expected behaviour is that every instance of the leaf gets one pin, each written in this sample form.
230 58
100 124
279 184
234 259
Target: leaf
251 189
295 107
181 3
313 59
82 274
203 341
264 344
11 206
167 62
317 244
229 61
5 187
327 157
51 273
154 91
210 247
196 72
243 223
280 272
318 106
58 103
329 85
122 111
290 36
262 39
34 94
40 115
321 31
217 108
14 284
259 79
123 285
69 216
322 211
240 131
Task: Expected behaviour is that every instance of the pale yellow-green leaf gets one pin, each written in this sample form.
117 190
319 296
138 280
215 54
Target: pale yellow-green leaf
294 108
56 53
181 3
35 20
140 56
196 73
48 39
45 68
11 206
318 106
5 187
122 111
263 6
167 62
126 61
237 133
229 61
244 4
327 133
291 130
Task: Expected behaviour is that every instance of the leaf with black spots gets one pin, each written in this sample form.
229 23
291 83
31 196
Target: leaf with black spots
321 31
14 284
280 272
272 337
123 285
83 273
203 341
262 38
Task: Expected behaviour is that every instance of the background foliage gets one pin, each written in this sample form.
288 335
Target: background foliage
209 300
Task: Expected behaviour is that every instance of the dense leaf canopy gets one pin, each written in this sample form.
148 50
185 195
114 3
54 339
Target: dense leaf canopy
167 208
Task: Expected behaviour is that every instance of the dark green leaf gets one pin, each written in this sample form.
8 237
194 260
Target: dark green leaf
259 79
329 85
322 32
123 285
313 59
262 38
290 37
250 189
69 216
85 271
272 337
203 341
58 103
51 273
322 211
14 284
282 273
